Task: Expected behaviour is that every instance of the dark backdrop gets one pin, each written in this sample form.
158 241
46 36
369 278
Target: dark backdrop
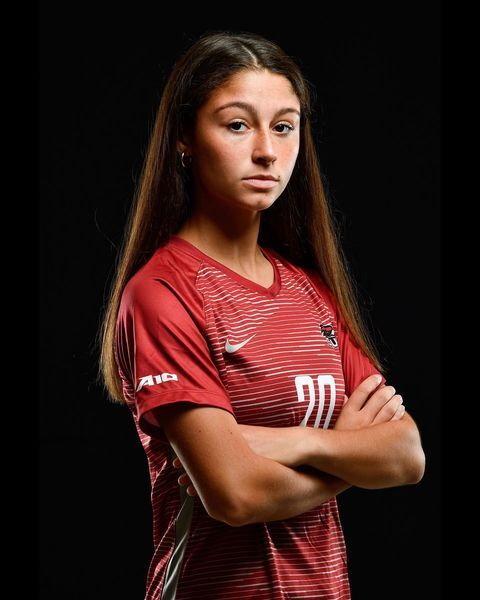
377 73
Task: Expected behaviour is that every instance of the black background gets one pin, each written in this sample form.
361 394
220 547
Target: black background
376 69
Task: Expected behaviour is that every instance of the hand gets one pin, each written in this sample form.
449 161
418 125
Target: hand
184 479
360 410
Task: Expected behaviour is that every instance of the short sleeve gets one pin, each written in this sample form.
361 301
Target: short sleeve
162 354
356 365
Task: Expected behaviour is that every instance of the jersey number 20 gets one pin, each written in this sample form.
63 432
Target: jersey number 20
305 381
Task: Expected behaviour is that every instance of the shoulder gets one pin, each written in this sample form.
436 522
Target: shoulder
166 280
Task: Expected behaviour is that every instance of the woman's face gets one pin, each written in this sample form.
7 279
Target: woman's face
259 135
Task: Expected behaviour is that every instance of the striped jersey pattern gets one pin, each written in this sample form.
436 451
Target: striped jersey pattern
190 329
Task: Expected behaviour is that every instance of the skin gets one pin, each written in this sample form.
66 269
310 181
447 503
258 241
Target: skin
374 443
226 219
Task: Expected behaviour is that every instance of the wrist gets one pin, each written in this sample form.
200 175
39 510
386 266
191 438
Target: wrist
314 449
306 444
293 438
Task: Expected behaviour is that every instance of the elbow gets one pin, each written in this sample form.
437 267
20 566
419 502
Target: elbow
406 469
234 512
414 462
231 518
416 468
411 468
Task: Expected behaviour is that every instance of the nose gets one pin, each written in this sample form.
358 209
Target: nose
264 150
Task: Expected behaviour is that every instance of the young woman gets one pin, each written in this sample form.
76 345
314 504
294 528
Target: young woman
233 335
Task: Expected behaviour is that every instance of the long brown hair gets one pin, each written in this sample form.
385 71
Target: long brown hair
299 225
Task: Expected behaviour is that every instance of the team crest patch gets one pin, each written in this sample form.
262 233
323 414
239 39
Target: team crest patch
329 333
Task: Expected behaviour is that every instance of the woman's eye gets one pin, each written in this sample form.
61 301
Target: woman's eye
236 123
289 127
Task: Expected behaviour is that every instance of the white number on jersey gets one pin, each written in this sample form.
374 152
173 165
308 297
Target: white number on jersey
302 381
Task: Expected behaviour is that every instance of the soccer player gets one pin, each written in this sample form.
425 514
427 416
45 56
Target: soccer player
234 337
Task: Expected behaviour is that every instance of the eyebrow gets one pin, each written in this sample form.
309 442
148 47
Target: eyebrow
250 108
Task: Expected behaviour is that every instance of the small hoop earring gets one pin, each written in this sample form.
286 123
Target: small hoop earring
183 162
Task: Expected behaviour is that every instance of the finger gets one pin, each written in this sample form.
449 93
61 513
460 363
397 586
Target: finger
359 396
184 479
399 414
388 410
191 491
176 463
378 400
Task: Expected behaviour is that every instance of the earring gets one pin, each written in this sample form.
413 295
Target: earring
182 160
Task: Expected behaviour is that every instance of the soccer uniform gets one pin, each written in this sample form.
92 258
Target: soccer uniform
192 330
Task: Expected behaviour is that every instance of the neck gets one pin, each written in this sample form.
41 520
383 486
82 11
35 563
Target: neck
231 237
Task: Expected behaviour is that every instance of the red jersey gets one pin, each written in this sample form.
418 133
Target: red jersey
192 330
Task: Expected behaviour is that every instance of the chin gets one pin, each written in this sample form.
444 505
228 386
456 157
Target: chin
268 202
260 206
266 205
253 202
261 203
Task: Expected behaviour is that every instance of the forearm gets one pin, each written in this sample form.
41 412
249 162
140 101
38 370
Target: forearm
235 484
276 492
379 456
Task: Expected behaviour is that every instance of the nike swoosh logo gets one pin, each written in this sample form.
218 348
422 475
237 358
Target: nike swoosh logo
234 347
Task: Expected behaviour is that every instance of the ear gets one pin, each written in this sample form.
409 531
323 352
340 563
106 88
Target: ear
184 145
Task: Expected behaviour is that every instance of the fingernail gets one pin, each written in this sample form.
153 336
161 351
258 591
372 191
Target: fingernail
378 379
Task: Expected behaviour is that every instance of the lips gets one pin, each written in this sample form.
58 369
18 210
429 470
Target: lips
261 184
262 176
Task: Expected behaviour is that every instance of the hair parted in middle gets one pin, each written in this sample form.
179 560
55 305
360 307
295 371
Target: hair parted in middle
299 225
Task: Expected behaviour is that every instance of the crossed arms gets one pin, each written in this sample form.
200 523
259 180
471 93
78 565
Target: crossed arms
248 474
